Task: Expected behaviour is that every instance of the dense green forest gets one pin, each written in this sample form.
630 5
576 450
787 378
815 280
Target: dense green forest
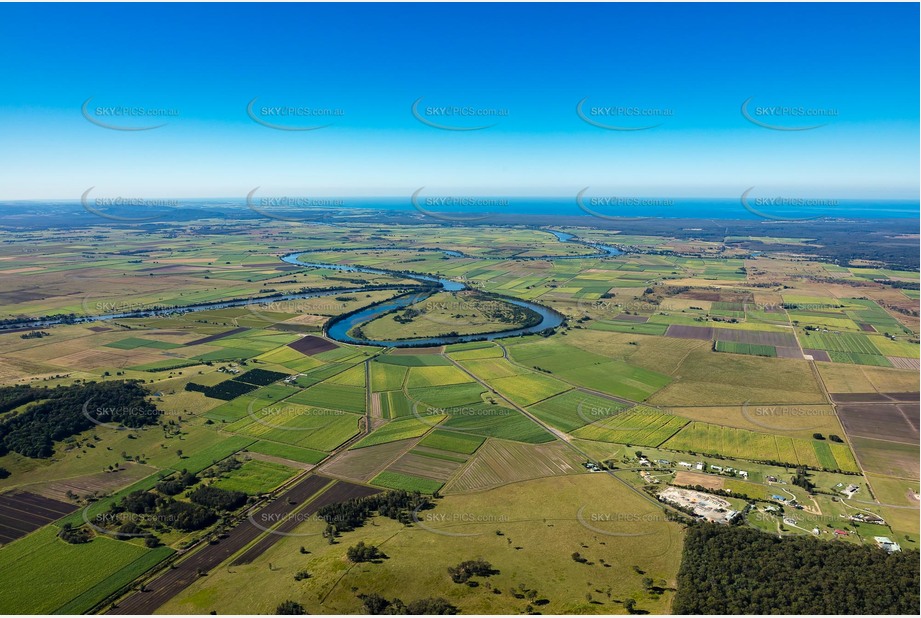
737 570
62 412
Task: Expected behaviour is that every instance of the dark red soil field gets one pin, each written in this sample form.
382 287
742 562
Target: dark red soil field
819 355
882 421
756 337
22 513
311 345
788 352
689 332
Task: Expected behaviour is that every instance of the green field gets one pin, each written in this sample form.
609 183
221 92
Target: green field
649 328
401 429
395 404
453 441
752 349
387 377
286 451
332 397
494 422
839 342
529 388
856 358
408 360
93 571
312 428
574 409
201 459
450 396
640 425
650 543
706 438
421 377
255 477
407 482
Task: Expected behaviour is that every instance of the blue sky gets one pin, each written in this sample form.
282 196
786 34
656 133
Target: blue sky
696 63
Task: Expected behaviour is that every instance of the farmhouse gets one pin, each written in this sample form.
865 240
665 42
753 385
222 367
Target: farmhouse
868 518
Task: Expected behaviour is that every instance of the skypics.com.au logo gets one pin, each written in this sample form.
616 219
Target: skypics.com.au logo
452 117
616 207
457 208
786 117
295 118
626 118
127 117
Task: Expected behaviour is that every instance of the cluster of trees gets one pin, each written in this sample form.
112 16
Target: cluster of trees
74 536
65 411
175 484
739 570
290 608
348 515
217 498
161 513
261 377
35 334
364 553
801 479
470 568
226 390
376 605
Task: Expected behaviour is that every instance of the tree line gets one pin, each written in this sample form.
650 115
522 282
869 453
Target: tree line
739 570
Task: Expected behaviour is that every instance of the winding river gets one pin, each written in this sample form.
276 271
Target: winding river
339 327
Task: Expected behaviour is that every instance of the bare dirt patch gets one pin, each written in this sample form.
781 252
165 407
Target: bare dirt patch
704 480
882 421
